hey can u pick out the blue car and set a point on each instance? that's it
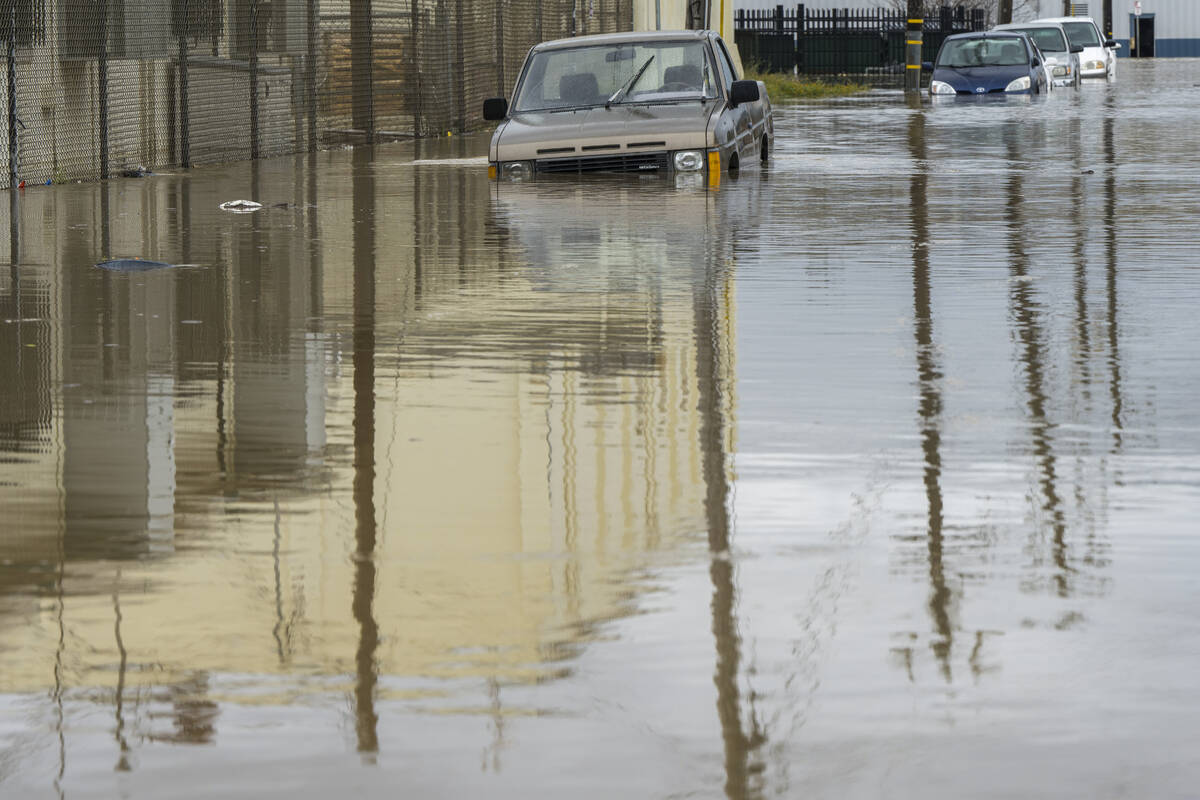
(996, 62)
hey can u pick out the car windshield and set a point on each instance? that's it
(579, 77)
(1048, 40)
(1082, 34)
(991, 52)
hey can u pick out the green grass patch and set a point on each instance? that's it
(781, 85)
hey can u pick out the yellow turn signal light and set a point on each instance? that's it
(714, 168)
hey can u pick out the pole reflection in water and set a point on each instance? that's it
(123, 762)
(929, 380)
(739, 746)
(1024, 310)
(366, 718)
(1083, 347)
(1110, 272)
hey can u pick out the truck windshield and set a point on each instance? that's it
(580, 77)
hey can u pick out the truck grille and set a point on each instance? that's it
(613, 162)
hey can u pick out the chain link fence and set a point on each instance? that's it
(99, 88)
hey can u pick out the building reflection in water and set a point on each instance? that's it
(533, 416)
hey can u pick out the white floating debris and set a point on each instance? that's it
(189, 322)
(240, 206)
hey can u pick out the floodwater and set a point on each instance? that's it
(874, 473)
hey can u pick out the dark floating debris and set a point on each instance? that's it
(132, 265)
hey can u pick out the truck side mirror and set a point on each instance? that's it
(495, 108)
(743, 92)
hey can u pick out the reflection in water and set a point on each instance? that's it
(711, 366)
(1110, 272)
(1030, 352)
(456, 459)
(929, 377)
(366, 676)
(123, 764)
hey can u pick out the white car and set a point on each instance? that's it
(1061, 58)
(1099, 56)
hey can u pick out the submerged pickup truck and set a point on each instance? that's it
(657, 101)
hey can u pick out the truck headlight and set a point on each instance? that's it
(516, 170)
(689, 161)
(940, 87)
(1019, 85)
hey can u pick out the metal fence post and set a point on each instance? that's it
(414, 30)
(311, 74)
(801, 22)
(254, 151)
(102, 80)
(460, 66)
(362, 63)
(185, 151)
(500, 47)
(13, 151)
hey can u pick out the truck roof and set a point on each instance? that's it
(622, 38)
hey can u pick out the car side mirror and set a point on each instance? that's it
(1112, 44)
(743, 92)
(495, 108)
(927, 66)
(1076, 48)
(1037, 62)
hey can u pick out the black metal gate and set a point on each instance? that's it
(851, 42)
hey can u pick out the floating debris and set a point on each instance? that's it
(240, 206)
(131, 265)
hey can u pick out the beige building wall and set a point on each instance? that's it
(671, 15)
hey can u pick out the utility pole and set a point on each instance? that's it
(912, 47)
(1005, 11)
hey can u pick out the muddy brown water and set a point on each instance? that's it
(870, 474)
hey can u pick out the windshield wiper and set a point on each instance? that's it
(627, 85)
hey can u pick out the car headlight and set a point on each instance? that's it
(1060, 71)
(689, 161)
(1095, 65)
(941, 87)
(1019, 85)
(516, 170)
